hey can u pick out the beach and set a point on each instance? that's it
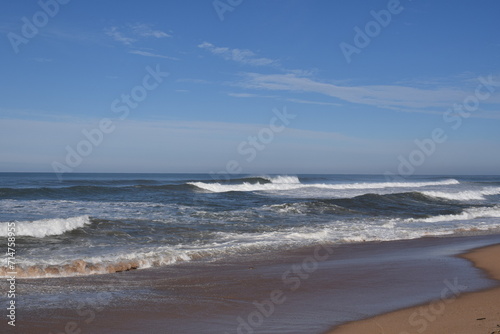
(468, 313)
(183, 253)
(300, 291)
(250, 167)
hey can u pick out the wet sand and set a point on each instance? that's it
(467, 313)
(307, 290)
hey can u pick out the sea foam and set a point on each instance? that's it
(466, 195)
(45, 227)
(467, 214)
(283, 183)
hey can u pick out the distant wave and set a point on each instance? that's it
(465, 195)
(251, 179)
(85, 190)
(45, 227)
(282, 183)
(244, 184)
(117, 182)
(58, 191)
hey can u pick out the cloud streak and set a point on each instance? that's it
(150, 54)
(118, 36)
(241, 56)
(137, 30)
(388, 96)
(144, 30)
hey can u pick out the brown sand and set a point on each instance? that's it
(212, 297)
(469, 313)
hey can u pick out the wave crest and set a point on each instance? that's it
(467, 195)
(46, 227)
(467, 214)
(283, 183)
(99, 265)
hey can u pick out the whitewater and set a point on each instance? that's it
(103, 223)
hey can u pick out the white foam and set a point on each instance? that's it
(468, 214)
(47, 263)
(283, 183)
(295, 208)
(284, 179)
(45, 227)
(337, 232)
(466, 195)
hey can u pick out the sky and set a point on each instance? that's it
(237, 86)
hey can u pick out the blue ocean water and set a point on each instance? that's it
(99, 223)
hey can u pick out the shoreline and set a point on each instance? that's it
(352, 282)
(461, 313)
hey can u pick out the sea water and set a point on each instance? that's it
(88, 224)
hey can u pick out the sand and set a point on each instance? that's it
(466, 313)
(355, 281)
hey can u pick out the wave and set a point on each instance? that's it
(99, 265)
(466, 195)
(467, 214)
(311, 208)
(45, 227)
(9, 193)
(64, 192)
(408, 204)
(283, 183)
(248, 179)
(226, 243)
(162, 187)
(110, 182)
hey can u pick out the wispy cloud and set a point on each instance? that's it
(150, 54)
(145, 30)
(131, 33)
(118, 36)
(314, 102)
(241, 56)
(293, 100)
(252, 95)
(375, 95)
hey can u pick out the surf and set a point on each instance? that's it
(284, 183)
(46, 227)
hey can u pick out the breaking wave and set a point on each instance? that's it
(98, 265)
(45, 227)
(467, 214)
(466, 195)
(282, 183)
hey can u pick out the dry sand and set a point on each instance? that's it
(469, 313)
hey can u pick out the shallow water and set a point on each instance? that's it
(305, 290)
(103, 223)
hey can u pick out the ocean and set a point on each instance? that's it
(91, 224)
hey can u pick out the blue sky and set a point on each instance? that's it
(232, 67)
